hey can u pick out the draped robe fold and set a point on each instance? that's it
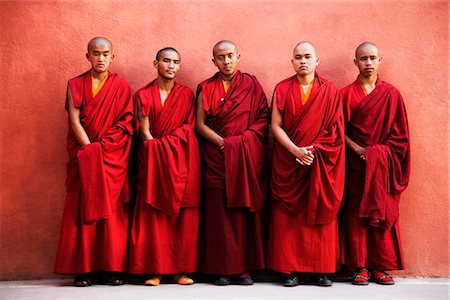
(94, 231)
(164, 237)
(303, 232)
(379, 123)
(235, 179)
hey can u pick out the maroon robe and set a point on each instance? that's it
(234, 180)
(303, 232)
(94, 233)
(164, 236)
(377, 122)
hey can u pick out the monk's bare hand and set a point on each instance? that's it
(361, 152)
(221, 144)
(304, 155)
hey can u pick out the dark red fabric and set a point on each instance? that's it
(240, 116)
(295, 246)
(316, 189)
(170, 163)
(95, 203)
(234, 180)
(94, 230)
(303, 233)
(365, 246)
(379, 123)
(231, 238)
(164, 238)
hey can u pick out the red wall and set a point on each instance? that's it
(43, 45)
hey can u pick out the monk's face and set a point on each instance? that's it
(305, 59)
(100, 56)
(226, 59)
(168, 65)
(367, 60)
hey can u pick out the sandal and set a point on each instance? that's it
(361, 277)
(83, 280)
(382, 278)
(153, 281)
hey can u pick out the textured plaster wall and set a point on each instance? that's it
(43, 44)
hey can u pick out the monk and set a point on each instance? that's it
(378, 159)
(94, 233)
(164, 236)
(232, 119)
(308, 173)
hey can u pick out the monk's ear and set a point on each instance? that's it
(355, 62)
(87, 55)
(379, 59)
(155, 63)
(214, 62)
(112, 56)
(238, 57)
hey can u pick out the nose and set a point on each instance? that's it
(227, 60)
(171, 65)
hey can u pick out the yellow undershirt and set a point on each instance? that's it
(96, 90)
(225, 87)
(305, 97)
(364, 90)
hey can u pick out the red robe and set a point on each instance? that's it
(377, 122)
(94, 233)
(303, 234)
(234, 180)
(164, 236)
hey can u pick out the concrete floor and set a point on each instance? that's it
(61, 289)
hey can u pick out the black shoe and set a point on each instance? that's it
(324, 281)
(222, 281)
(83, 280)
(291, 281)
(245, 281)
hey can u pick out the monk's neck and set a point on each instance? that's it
(165, 84)
(307, 79)
(369, 83)
(227, 78)
(98, 76)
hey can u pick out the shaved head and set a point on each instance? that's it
(366, 45)
(99, 41)
(158, 54)
(306, 43)
(224, 44)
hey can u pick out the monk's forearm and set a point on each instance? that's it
(146, 135)
(80, 133)
(353, 146)
(281, 136)
(210, 135)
